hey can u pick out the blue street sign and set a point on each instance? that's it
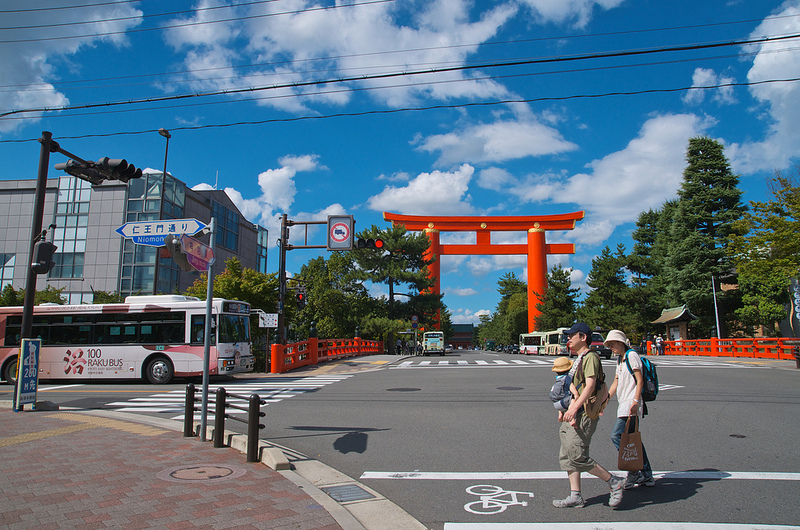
(27, 373)
(151, 233)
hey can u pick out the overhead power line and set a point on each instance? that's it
(374, 112)
(389, 75)
(190, 24)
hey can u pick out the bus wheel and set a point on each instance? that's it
(159, 371)
(10, 373)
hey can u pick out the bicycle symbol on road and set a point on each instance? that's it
(494, 499)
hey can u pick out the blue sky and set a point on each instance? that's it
(515, 107)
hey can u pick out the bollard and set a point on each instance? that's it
(253, 415)
(188, 412)
(219, 419)
(796, 352)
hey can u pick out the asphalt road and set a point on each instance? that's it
(426, 432)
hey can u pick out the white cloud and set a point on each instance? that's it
(774, 60)
(643, 175)
(496, 142)
(312, 44)
(29, 66)
(458, 291)
(466, 316)
(562, 11)
(704, 77)
(495, 178)
(434, 193)
(278, 190)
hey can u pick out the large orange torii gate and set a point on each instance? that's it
(536, 248)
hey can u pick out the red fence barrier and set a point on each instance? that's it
(314, 351)
(769, 348)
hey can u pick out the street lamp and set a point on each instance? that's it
(165, 133)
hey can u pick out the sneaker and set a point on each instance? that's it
(632, 480)
(569, 502)
(615, 497)
(646, 481)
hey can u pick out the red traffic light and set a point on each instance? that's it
(369, 243)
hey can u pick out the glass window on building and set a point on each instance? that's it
(72, 221)
(7, 270)
(261, 248)
(227, 227)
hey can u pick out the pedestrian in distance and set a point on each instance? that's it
(575, 440)
(659, 345)
(627, 386)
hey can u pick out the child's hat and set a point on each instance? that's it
(562, 364)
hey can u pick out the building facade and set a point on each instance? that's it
(92, 256)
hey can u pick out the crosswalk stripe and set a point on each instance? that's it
(271, 390)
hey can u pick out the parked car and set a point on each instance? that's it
(598, 345)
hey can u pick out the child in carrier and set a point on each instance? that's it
(562, 391)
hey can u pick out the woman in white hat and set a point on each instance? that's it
(627, 386)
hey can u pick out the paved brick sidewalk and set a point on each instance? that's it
(68, 470)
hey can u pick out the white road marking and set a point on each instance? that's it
(607, 525)
(548, 475)
(46, 388)
(271, 390)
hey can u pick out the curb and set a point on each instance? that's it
(368, 510)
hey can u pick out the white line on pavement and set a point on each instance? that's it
(545, 475)
(606, 525)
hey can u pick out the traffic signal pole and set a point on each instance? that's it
(36, 229)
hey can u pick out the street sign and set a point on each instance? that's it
(267, 320)
(414, 318)
(28, 372)
(151, 233)
(199, 255)
(340, 232)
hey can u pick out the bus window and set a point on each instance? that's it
(234, 328)
(198, 329)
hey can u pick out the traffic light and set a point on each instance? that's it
(76, 169)
(175, 249)
(300, 297)
(43, 257)
(370, 243)
(118, 169)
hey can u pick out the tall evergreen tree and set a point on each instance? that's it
(766, 252)
(608, 303)
(709, 204)
(559, 303)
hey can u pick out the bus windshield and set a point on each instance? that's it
(234, 328)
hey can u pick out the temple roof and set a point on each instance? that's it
(674, 314)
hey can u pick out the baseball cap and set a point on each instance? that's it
(579, 327)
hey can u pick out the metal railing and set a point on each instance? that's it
(253, 410)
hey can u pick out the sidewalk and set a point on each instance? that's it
(90, 469)
(63, 469)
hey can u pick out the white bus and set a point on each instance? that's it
(532, 343)
(433, 342)
(152, 337)
(555, 342)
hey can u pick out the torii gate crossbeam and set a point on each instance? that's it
(536, 248)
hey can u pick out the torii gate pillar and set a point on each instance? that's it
(536, 248)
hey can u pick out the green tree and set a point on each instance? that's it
(337, 301)
(400, 265)
(766, 252)
(557, 308)
(511, 316)
(247, 285)
(48, 295)
(607, 305)
(708, 206)
(105, 297)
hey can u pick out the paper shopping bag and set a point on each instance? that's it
(630, 448)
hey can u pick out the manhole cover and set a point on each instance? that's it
(348, 493)
(201, 473)
(402, 389)
(510, 388)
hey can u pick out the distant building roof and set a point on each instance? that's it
(674, 314)
(462, 328)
